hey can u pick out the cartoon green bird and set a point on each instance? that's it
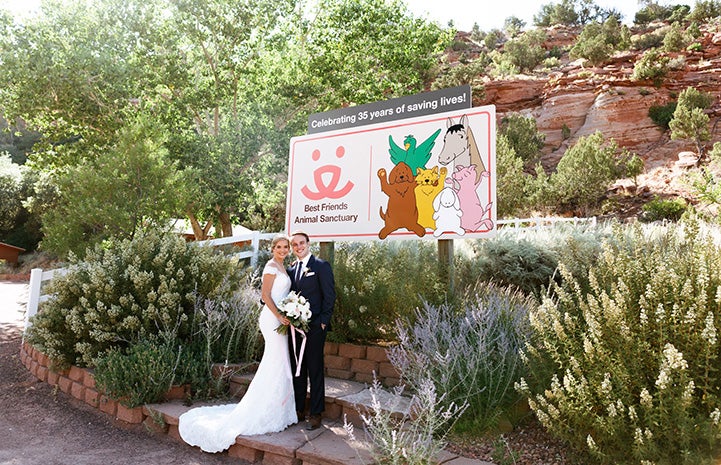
(413, 156)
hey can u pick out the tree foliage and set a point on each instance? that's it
(689, 119)
(131, 188)
(598, 160)
(523, 137)
(227, 84)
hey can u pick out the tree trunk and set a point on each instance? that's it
(200, 232)
(225, 224)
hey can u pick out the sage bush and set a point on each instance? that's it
(417, 436)
(528, 259)
(627, 372)
(472, 355)
(123, 292)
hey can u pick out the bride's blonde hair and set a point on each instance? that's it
(278, 238)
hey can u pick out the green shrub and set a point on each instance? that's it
(661, 115)
(705, 10)
(142, 374)
(516, 262)
(129, 291)
(465, 73)
(523, 136)
(634, 361)
(526, 51)
(378, 282)
(647, 41)
(598, 41)
(598, 160)
(510, 175)
(663, 209)
(652, 65)
(675, 39)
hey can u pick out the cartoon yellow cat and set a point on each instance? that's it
(429, 182)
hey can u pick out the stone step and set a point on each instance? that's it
(343, 398)
(328, 445)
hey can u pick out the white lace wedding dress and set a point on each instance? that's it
(268, 406)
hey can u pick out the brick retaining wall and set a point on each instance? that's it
(358, 363)
(343, 361)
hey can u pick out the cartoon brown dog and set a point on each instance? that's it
(402, 211)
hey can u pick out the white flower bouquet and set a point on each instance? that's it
(297, 309)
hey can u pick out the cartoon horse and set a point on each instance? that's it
(459, 147)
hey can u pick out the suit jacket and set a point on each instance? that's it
(317, 285)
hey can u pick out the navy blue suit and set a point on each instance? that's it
(317, 285)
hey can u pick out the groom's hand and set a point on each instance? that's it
(322, 326)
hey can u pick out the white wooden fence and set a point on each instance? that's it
(539, 222)
(38, 276)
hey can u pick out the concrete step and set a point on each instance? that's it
(328, 445)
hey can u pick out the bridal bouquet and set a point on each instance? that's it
(297, 309)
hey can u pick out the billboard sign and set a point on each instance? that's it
(431, 176)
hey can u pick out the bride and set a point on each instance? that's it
(268, 406)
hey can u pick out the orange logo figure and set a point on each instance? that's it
(401, 211)
(323, 190)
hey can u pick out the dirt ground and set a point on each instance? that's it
(39, 425)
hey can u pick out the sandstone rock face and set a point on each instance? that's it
(606, 99)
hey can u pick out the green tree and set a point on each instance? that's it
(70, 74)
(132, 188)
(572, 13)
(675, 40)
(592, 45)
(524, 52)
(703, 10)
(510, 178)
(652, 65)
(522, 135)
(689, 119)
(354, 51)
(597, 159)
(556, 13)
(10, 180)
(513, 26)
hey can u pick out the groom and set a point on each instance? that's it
(312, 278)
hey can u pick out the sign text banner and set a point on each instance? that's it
(411, 106)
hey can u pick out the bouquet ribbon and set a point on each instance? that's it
(298, 356)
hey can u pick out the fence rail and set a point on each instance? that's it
(38, 276)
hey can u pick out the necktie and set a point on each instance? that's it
(297, 270)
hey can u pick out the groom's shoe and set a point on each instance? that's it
(313, 422)
(301, 415)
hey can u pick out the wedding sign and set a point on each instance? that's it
(430, 177)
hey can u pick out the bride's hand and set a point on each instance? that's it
(284, 321)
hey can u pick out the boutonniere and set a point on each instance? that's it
(305, 271)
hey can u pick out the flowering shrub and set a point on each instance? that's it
(129, 290)
(628, 371)
(472, 355)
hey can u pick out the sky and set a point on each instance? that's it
(489, 14)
